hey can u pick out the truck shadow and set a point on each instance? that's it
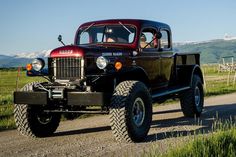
(204, 124)
(82, 131)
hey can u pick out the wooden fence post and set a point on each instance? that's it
(228, 79)
(234, 79)
(18, 77)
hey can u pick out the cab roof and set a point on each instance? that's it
(139, 23)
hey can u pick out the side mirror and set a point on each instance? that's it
(60, 39)
(159, 35)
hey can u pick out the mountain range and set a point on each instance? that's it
(21, 59)
(211, 52)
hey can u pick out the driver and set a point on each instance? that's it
(111, 39)
(143, 42)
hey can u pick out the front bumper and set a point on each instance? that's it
(70, 98)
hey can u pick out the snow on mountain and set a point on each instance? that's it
(21, 59)
(225, 38)
(42, 54)
(229, 37)
(193, 42)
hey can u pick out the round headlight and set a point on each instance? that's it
(101, 62)
(38, 64)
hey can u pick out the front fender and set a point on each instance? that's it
(133, 73)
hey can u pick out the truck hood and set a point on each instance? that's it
(67, 51)
(81, 51)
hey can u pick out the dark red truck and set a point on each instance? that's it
(119, 67)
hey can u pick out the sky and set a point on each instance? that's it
(34, 25)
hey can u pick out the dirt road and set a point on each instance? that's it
(93, 137)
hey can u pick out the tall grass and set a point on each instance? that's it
(219, 142)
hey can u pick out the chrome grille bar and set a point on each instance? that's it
(67, 68)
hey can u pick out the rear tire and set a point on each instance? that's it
(192, 100)
(32, 121)
(131, 111)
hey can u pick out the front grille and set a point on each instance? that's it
(66, 68)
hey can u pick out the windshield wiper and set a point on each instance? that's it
(125, 27)
(86, 29)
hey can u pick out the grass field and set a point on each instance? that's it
(215, 84)
(220, 143)
(218, 83)
(7, 86)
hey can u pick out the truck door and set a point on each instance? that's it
(166, 57)
(149, 59)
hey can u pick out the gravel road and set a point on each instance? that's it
(93, 137)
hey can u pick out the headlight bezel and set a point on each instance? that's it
(102, 62)
(37, 64)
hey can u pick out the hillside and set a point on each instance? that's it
(21, 59)
(211, 51)
(11, 61)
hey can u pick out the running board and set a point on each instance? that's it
(169, 92)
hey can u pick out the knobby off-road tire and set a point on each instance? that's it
(130, 111)
(31, 121)
(192, 100)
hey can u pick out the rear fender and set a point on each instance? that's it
(185, 74)
(197, 71)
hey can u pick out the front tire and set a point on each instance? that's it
(192, 100)
(131, 111)
(32, 121)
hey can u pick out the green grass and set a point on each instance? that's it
(7, 86)
(6, 117)
(222, 144)
(216, 84)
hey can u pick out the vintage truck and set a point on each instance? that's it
(118, 67)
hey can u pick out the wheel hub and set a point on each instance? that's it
(44, 118)
(138, 112)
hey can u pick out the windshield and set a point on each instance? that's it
(112, 34)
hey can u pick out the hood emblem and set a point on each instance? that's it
(65, 51)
